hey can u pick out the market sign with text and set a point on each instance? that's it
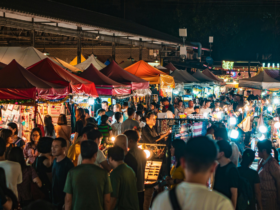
(228, 65)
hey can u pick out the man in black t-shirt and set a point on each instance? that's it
(60, 168)
(226, 177)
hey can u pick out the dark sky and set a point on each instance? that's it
(242, 29)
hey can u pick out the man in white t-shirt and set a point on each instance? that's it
(205, 110)
(199, 164)
(101, 160)
(190, 109)
(12, 169)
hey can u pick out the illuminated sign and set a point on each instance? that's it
(227, 64)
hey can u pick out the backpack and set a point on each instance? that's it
(245, 192)
(173, 199)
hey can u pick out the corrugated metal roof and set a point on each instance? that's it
(83, 17)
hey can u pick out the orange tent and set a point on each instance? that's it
(154, 76)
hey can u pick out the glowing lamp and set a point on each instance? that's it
(232, 121)
(234, 134)
(276, 101)
(263, 129)
(113, 139)
(277, 125)
(148, 153)
(246, 108)
(219, 115)
(269, 108)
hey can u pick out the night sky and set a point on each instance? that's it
(242, 29)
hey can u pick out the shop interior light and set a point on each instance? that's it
(234, 134)
(240, 110)
(276, 101)
(91, 101)
(232, 121)
(263, 129)
(148, 153)
(113, 139)
(219, 115)
(269, 108)
(246, 108)
(277, 125)
(175, 92)
(263, 93)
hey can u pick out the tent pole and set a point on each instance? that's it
(35, 115)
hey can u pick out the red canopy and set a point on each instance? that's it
(104, 85)
(115, 72)
(51, 72)
(170, 67)
(18, 83)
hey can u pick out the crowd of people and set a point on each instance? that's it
(54, 171)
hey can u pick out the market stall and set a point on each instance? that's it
(260, 81)
(91, 60)
(51, 72)
(19, 90)
(104, 85)
(116, 73)
(154, 76)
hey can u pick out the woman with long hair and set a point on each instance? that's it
(252, 177)
(9, 198)
(116, 127)
(43, 165)
(49, 128)
(30, 151)
(177, 172)
(269, 173)
(17, 141)
(29, 175)
(62, 130)
(7, 134)
(80, 123)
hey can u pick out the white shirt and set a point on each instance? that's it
(99, 158)
(189, 110)
(203, 110)
(13, 174)
(193, 197)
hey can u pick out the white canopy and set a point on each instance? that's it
(260, 81)
(91, 60)
(25, 56)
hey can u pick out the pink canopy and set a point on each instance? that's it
(116, 73)
(104, 85)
